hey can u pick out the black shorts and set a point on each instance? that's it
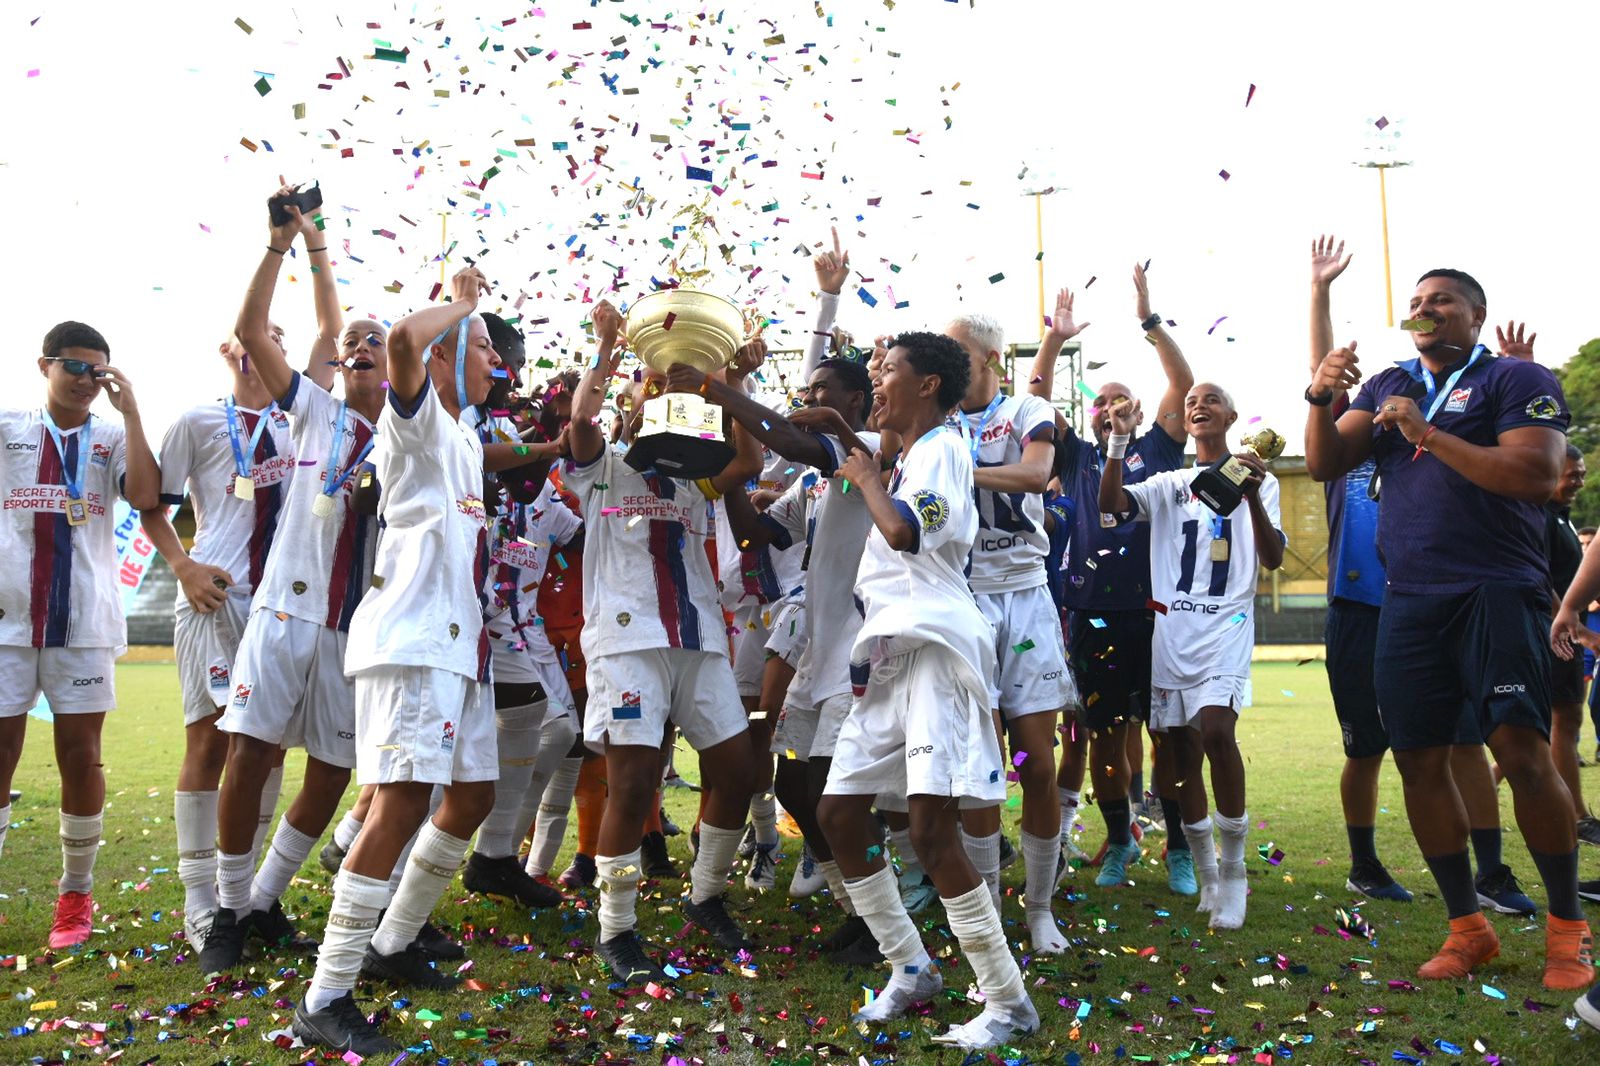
(1351, 635)
(1566, 679)
(1110, 653)
(1451, 669)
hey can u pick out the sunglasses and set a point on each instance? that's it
(76, 367)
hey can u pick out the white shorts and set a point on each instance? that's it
(418, 723)
(918, 732)
(205, 646)
(633, 694)
(1033, 675)
(557, 692)
(1175, 708)
(74, 680)
(289, 688)
(787, 635)
(750, 648)
(811, 731)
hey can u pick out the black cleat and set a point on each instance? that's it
(224, 946)
(668, 826)
(431, 940)
(331, 857)
(277, 930)
(628, 961)
(848, 933)
(863, 951)
(713, 917)
(655, 860)
(1589, 891)
(505, 877)
(341, 1026)
(409, 968)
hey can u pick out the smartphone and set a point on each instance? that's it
(307, 200)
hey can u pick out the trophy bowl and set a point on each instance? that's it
(1267, 444)
(1220, 486)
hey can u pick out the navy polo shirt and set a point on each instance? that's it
(1062, 509)
(1108, 558)
(1355, 572)
(1437, 532)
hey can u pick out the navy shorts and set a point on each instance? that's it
(1110, 653)
(1351, 636)
(1566, 679)
(1450, 669)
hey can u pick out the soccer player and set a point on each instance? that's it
(61, 623)
(657, 650)
(923, 727)
(1566, 678)
(1012, 440)
(1203, 566)
(1463, 442)
(1107, 589)
(419, 653)
(289, 685)
(1355, 593)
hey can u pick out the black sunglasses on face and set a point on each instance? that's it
(75, 367)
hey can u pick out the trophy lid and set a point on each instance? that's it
(673, 326)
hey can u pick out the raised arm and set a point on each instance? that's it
(1029, 474)
(833, 270)
(1180, 379)
(252, 326)
(1060, 329)
(325, 290)
(412, 335)
(1268, 541)
(1114, 499)
(584, 436)
(1328, 261)
(1335, 447)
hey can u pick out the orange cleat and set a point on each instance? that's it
(1568, 953)
(75, 920)
(1472, 942)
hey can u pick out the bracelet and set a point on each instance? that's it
(1315, 401)
(324, 248)
(705, 386)
(1422, 442)
(1150, 323)
(1117, 445)
(277, 251)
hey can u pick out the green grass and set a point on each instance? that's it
(1161, 985)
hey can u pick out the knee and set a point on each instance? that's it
(730, 776)
(934, 843)
(1217, 738)
(78, 751)
(1037, 773)
(406, 803)
(834, 816)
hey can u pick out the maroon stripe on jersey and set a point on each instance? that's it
(47, 542)
(666, 586)
(347, 548)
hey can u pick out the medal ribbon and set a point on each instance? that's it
(240, 464)
(330, 483)
(73, 479)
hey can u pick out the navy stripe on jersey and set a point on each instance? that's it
(678, 614)
(268, 504)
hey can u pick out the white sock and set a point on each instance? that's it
(555, 740)
(234, 876)
(1204, 847)
(352, 918)
(910, 866)
(985, 855)
(434, 862)
(713, 859)
(399, 870)
(836, 885)
(195, 815)
(1232, 889)
(5, 826)
(345, 833)
(1069, 808)
(286, 855)
(269, 806)
(877, 901)
(977, 926)
(554, 809)
(517, 734)
(618, 876)
(1039, 856)
(764, 816)
(1232, 832)
(80, 843)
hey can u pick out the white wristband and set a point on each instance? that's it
(1117, 445)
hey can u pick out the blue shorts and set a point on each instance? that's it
(1450, 669)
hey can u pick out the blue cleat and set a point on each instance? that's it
(1498, 890)
(1114, 867)
(1373, 881)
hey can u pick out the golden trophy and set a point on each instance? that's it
(1220, 486)
(681, 433)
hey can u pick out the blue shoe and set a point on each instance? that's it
(1114, 867)
(1180, 872)
(1372, 880)
(1498, 890)
(917, 894)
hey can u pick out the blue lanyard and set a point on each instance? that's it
(461, 361)
(331, 484)
(1441, 395)
(974, 437)
(74, 480)
(240, 464)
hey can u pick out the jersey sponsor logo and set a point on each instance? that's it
(48, 498)
(630, 708)
(86, 682)
(447, 737)
(472, 507)
(1107, 521)
(217, 677)
(518, 554)
(999, 543)
(241, 694)
(1543, 407)
(21, 446)
(1134, 462)
(1508, 690)
(1458, 400)
(926, 749)
(933, 510)
(1193, 607)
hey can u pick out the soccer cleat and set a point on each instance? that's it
(625, 956)
(807, 879)
(672, 780)
(224, 942)
(713, 917)
(274, 927)
(1372, 880)
(1134, 828)
(506, 878)
(852, 929)
(763, 875)
(195, 926)
(1588, 1006)
(580, 874)
(916, 895)
(668, 826)
(1471, 943)
(431, 940)
(654, 858)
(74, 920)
(862, 951)
(410, 967)
(1589, 890)
(342, 1027)
(1114, 867)
(1498, 890)
(1589, 830)
(1180, 873)
(1568, 954)
(331, 857)
(995, 1026)
(1008, 851)
(901, 994)
(747, 843)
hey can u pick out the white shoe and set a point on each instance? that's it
(901, 994)
(995, 1026)
(1231, 892)
(763, 875)
(808, 879)
(196, 924)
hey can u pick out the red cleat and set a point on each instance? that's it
(74, 920)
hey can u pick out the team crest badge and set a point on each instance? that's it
(1543, 408)
(447, 737)
(631, 707)
(1135, 462)
(218, 677)
(299, 588)
(1458, 400)
(933, 510)
(241, 694)
(455, 631)
(623, 618)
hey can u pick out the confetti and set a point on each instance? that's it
(1251, 95)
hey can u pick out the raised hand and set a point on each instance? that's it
(1125, 416)
(117, 387)
(607, 324)
(818, 420)
(1141, 289)
(1337, 372)
(681, 377)
(282, 237)
(833, 268)
(1258, 471)
(466, 285)
(1327, 260)
(1062, 326)
(748, 359)
(1511, 341)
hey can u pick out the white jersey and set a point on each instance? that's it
(921, 596)
(526, 539)
(323, 565)
(198, 453)
(426, 604)
(1208, 627)
(831, 526)
(60, 587)
(757, 578)
(646, 576)
(1008, 553)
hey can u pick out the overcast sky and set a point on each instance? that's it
(135, 207)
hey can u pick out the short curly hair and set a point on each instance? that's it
(934, 353)
(69, 334)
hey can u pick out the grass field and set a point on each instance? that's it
(1143, 980)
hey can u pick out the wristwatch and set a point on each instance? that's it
(1150, 323)
(1315, 401)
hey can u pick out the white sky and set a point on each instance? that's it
(126, 143)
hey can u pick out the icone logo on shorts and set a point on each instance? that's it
(241, 694)
(85, 682)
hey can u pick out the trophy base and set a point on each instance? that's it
(1220, 486)
(679, 456)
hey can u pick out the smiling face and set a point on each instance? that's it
(1446, 303)
(71, 392)
(481, 361)
(1573, 474)
(1208, 412)
(900, 394)
(828, 389)
(1110, 394)
(364, 359)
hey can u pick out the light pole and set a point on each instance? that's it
(1383, 161)
(1038, 238)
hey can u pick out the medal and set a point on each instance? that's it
(77, 512)
(243, 488)
(76, 507)
(322, 506)
(1219, 551)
